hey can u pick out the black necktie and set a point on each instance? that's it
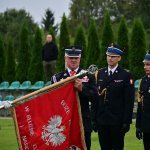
(110, 72)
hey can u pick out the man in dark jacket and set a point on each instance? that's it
(85, 87)
(143, 110)
(115, 101)
(49, 56)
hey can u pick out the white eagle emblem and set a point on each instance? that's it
(53, 132)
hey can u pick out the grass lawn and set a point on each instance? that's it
(131, 142)
(8, 138)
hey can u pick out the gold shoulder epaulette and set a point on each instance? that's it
(140, 98)
(96, 75)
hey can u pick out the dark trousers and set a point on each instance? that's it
(49, 69)
(146, 141)
(87, 135)
(111, 138)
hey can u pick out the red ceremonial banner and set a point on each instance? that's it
(51, 121)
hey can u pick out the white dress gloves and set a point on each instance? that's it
(6, 104)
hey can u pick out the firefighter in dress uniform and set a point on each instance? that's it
(85, 86)
(143, 110)
(115, 100)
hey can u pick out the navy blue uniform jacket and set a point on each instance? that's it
(143, 111)
(115, 106)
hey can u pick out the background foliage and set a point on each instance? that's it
(113, 22)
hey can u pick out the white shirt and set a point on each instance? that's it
(113, 69)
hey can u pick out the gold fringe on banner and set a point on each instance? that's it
(81, 124)
(16, 128)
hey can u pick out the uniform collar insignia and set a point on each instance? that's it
(100, 80)
(118, 80)
(65, 74)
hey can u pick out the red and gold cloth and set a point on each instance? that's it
(51, 121)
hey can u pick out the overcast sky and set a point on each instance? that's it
(37, 8)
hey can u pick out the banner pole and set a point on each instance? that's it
(45, 89)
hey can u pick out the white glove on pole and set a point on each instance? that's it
(6, 104)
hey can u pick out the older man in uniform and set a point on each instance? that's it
(143, 111)
(85, 87)
(114, 101)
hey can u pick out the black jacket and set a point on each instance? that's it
(143, 110)
(85, 96)
(49, 52)
(115, 106)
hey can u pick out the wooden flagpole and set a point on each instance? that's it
(45, 89)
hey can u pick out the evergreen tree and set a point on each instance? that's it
(23, 57)
(9, 69)
(10, 24)
(80, 40)
(137, 49)
(2, 59)
(63, 43)
(48, 20)
(93, 49)
(35, 72)
(107, 39)
(123, 42)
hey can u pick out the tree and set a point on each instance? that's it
(143, 11)
(2, 58)
(9, 69)
(48, 21)
(107, 39)
(93, 49)
(123, 42)
(80, 40)
(36, 59)
(63, 43)
(23, 57)
(137, 49)
(83, 11)
(10, 24)
(124, 8)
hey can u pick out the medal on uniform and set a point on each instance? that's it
(149, 90)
